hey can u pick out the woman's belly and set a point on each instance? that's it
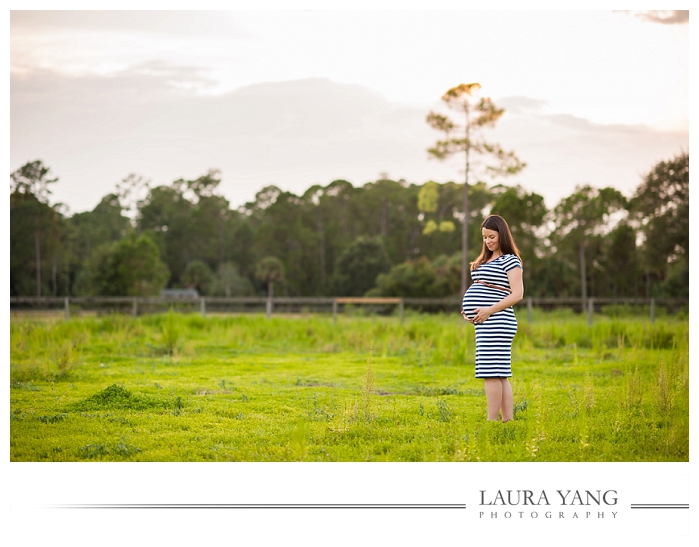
(480, 296)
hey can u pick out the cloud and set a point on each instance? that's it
(44, 90)
(521, 104)
(176, 76)
(665, 17)
(563, 150)
(94, 130)
(162, 22)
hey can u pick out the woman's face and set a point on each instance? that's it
(491, 238)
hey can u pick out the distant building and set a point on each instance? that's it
(179, 293)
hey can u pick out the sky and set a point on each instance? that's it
(296, 98)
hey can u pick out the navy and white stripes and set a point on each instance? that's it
(494, 336)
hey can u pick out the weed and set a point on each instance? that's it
(24, 385)
(663, 395)
(445, 412)
(520, 407)
(319, 412)
(170, 332)
(634, 388)
(124, 449)
(22, 373)
(589, 392)
(97, 450)
(18, 415)
(368, 388)
(92, 451)
(178, 407)
(64, 355)
(120, 420)
(52, 419)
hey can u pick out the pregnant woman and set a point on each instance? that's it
(497, 286)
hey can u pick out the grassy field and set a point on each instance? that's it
(174, 387)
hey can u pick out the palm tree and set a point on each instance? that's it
(270, 269)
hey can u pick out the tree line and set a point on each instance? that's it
(386, 238)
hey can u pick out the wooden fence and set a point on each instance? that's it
(141, 305)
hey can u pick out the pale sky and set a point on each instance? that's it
(295, 98)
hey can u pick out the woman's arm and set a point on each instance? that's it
(515, 278)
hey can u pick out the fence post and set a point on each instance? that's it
(401, 307)
(134, 307)
(66, 305)
(334, 311)
(202, 306)
(529, 309)
(268, 307)
(652, 310)
(591, 309)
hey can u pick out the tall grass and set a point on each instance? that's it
(366, 388)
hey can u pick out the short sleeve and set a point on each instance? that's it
(510, 262)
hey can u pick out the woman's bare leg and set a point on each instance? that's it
(507, 402)
(493, 394)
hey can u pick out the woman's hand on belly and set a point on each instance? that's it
(466, 317)
(481, 315)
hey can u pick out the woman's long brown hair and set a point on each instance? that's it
(507, 243)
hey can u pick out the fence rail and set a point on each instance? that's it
(140, 305)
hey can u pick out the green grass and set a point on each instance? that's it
(243, 388)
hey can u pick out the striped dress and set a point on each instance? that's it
(494, 336)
